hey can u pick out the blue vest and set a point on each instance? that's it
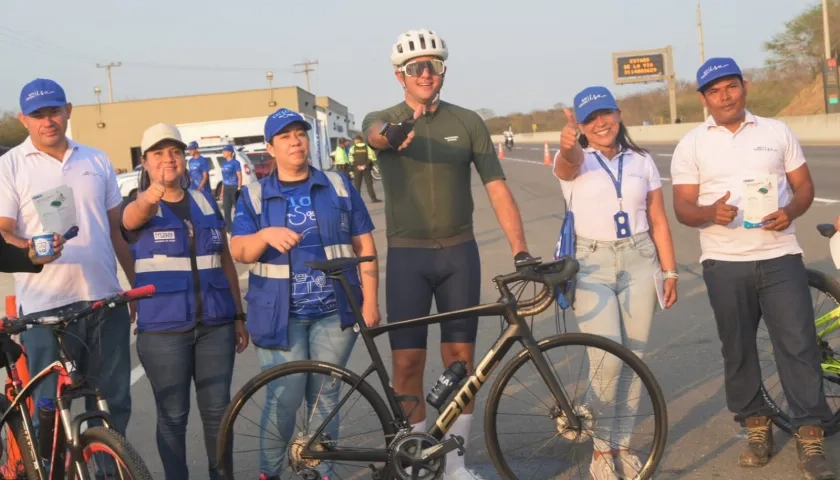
(162, 258)
(269, 286)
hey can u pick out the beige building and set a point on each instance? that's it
(116, 128)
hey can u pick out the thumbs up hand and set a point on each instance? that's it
(724, 213)
(570, 149)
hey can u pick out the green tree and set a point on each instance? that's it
(801, 44)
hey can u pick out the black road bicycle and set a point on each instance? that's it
(415, 455)
(63, 449)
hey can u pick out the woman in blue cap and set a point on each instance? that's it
(190, 329)
(623, 240)
(286, 219)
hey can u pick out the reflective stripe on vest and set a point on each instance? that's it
(268, 270)
(199, 200)
(338, 251)
(162, 263)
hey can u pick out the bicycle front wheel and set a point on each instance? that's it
(107, 452)
(279, 412)
(613, 394)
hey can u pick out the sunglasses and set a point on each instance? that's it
(416, 69)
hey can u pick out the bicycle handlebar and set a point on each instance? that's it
(12, 326)
(549, 274)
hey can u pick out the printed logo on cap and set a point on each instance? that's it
(284, 114)
(38, 93)
(590, 98)
(712, 69)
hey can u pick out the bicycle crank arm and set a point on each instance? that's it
(455, 442)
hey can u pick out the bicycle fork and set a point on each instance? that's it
(553, 385)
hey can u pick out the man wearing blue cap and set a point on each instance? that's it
(296, 215)
(199, 168)
(231, 183)
(752, 262)
(87, 269)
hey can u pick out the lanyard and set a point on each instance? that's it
(616, 181)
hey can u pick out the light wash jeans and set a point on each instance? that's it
(309, 339)
(616, 299)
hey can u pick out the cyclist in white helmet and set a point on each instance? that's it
(426, 149)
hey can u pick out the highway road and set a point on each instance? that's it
(684, 351)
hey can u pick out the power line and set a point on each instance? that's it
(306, 64)
(108, 67)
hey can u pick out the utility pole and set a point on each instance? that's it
(671, 81)
(826, 33)
(702, 50)
(108, 67)
(306, 64)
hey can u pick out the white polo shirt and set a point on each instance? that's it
(594, 200)
(718, 160)
(87, 269)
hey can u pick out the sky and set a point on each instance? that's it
(508, 56)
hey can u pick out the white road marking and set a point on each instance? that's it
(664, 155)
(826, 200)
(137, 374)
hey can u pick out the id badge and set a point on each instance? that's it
(622, 225)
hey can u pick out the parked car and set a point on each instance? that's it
(128, 182)
(259, 156)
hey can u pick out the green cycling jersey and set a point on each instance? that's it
(428, 184)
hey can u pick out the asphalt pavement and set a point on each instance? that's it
(684, 351)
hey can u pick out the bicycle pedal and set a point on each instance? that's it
(454, 442)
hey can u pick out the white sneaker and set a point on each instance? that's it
(629, 464)
(462, 474)
(603, 468)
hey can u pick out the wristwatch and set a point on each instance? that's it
(240, 316)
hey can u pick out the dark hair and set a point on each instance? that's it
(623, 139)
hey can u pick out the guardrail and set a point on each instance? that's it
(810, 129)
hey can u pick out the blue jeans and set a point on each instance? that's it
(172, 362)
(310, 339)
(106, 361)
(616, 299)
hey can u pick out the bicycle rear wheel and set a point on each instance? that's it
(603, 432)
(264, 442)
(827, 299)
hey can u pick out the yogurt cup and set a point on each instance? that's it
(44, 245)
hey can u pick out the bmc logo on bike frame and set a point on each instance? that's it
(467, 392)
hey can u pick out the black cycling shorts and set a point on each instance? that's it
(450, 275)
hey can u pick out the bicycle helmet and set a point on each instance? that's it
(417, 43)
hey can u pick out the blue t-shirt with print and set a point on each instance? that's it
(312, 293)
(301, 219)
(229, 170)
(197, 167)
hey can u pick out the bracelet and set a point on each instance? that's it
(671, 274)
(239, 316)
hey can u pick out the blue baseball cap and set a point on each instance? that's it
(228, 148)
(592, 99)
(192, 145)
(281, 119)
(715, 68)
(41, 93)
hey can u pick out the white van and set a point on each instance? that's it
(129, 182)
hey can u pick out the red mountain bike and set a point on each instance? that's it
(68, 451)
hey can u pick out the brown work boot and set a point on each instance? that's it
(809, 451)
(759, 447)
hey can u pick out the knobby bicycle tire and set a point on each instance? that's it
(120, 449)
(831, 287)
(19, 463)
(299, 366)
(586, 340)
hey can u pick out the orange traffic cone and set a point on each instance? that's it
(546, 155)
(501, 151)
